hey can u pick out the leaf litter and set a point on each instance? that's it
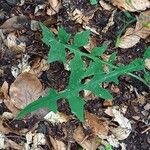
(113, 128)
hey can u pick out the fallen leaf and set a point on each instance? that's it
(98, 125)
(132, 36)
(132, 5)
(14, 145)
(14, 44)
(16, 22)
(38, 66)
(141, 30)
(25, 89)
(105, 5)
(120, 133)
(58, 145)
(4, 90)
(3, 129)
(129, 39)
(147, 63)
(11, 107)
(82, 140)
(54, 7)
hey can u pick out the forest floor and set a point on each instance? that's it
(120, 124)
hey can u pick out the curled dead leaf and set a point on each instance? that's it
(98, 125)
(54, 7)
(38, 66)
(26, 88)
(129, 39)
(82, 140)
(120, 133)
(132, 5)
(141, 30)
(58, 145)
(15, 44)
(133, 36)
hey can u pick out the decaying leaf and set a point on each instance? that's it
(3, 129)
(81, 139)
(105, 5)
(120, 133)
(25, 89)
(124, 128)
(54, 7)
(15, 44)
(133, 36)
(147, 63)
(38, 66)
(16, 22)
(129, 39)
(58, 145)
(141, 30)
(4, 91)
(98, 125)
(132, 5)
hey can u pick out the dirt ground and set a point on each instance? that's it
(22, 50)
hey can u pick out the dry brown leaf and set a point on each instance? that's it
(54, 7)
(81, 139)
(4, 91)
(3, 129)
(133, 36)
(98, 125)
(129, 39)
(132, 5)
(140, 30)
(105, 5)
(147, 63)
(14, 44)
(14, 145)
(26, 88)
(58, 145)
(16, 22)
(38, 66)
(11, 107)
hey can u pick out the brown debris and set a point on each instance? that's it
(98, 125)
(25, 89)
(132, 5)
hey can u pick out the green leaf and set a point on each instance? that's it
(147, 77)
(108, 147)
(93, 2)
(50, 101)
(79, 71)
(147, 53)
(98, 51)
(48, 36)
(81, 38)
(57, 52)
(63, 35)
(77, 107)
(38, 104)
(101, 92)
